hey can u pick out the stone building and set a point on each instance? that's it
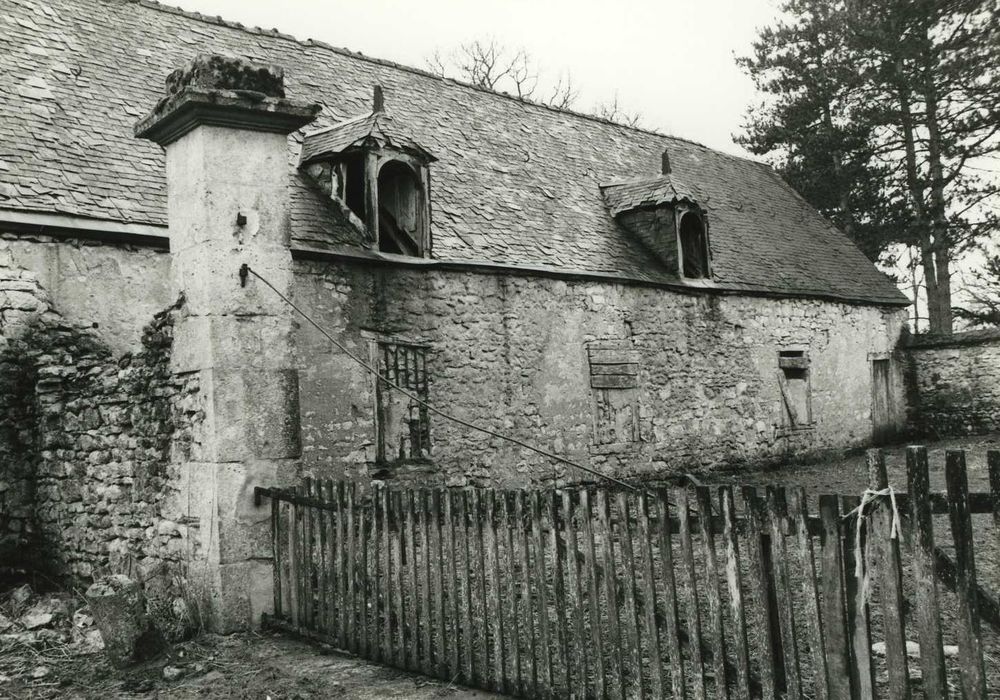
(630, 301)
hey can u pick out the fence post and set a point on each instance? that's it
(890, 571)
(576, 591)
(862, 671)
(734, 582)
(711, 588)
(970, 646)
(649, 595)
(590, 565)
(777, 510)
(610, 590)
(631, 622)
(670, 603)
(836, 644)
(691, 589)
(800, 522)
(772, 672)
(934, 679)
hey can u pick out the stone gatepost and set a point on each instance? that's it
(224, 125)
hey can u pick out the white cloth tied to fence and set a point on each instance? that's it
(862, 558)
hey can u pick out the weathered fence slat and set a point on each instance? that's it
(454, 646)
(350, 568)
(440, 656)
(671, 607)
(483, 656)
(515, 680)
(427, 629)
(413, 621)
(771, 665)
(579, 687)
(367, 619)
(836, 644)
(800, 517)
(633, 672)
(993, 465)
(527, 625)
(862, 669)
(307, 557)
(928, 614)
(735, 585)
(889, 570)
(711, 588)
(276, 553)
(649, 599)
(294, 543)
(468, 643)
(590, 567)
(691, 592)
(396, 505)
(538, 546)
(970, 638)
(776, 507)
(559, 595)
(606, 537)
(385, 547)
(495, 611)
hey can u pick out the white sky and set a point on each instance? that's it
(670, 60)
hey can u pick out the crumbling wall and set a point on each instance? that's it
(695, 382)
(953, 383)
(88, 440)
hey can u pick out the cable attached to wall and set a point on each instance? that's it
(246, 269)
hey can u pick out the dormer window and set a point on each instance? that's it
(400, 210)
(692, 242)
(378, 176)
(669, 218)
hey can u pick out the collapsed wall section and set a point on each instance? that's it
(88, 441)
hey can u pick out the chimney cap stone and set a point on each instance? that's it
(223, 91)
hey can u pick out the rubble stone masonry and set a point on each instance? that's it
(698, 373)
(88, 437)
(954, 383)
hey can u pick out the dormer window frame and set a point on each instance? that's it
(376, 160)
(682, 209)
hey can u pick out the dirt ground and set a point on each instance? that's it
(260, 666)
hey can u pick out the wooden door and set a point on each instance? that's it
(882, 423)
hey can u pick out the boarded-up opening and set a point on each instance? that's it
(882, 423)
(793, 381)
(694, 246)
(614, 379)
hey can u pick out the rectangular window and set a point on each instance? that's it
(403, 425)
(793, 381)
(614, 380)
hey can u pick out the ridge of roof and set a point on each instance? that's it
(274, 33)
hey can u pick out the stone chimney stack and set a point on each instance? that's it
(224, 125)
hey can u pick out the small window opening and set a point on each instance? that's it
(404, 430)
(353, 193)
(793, 378)
(694, 246)
(400, 203)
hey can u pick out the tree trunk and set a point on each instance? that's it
(941, 245)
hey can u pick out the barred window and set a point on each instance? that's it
(403, 424)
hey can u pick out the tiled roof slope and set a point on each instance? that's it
(515, 182)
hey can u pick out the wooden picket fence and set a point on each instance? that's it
(595, 592)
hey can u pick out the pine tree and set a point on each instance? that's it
(879, 112)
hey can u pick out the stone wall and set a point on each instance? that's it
(89, 440)
(954, 383)
(699, 373)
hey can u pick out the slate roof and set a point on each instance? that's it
(515, 183)
(647, 192)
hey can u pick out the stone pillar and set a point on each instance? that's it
(224, 125)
